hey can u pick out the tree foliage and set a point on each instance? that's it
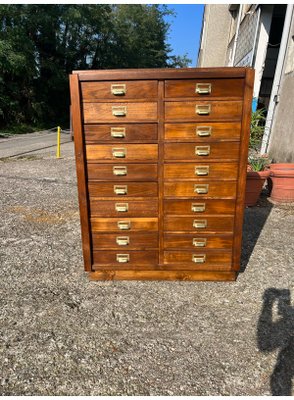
(40, 45)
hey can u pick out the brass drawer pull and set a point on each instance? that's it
(119, 111)
(121, 207)
(119, 152)
(121, 190)
(120, 170)
(198, 207)
(202, 150)
(201, 170)
(124, 225)
(200, 223)
(201, 189)
(204, 109)
(203, 131)
(123, 258)
(118, 89)
(199, 258)
(118, 133)
(122, 240)
(199, 242)
(203, 88)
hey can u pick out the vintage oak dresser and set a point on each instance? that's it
(161, 159)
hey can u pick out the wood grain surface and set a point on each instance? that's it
(216, 189)
(219, 88)
(102, 112)
(215, 223)
(133, 172)
(220, 110)
(187, 132)
(133, 90)
(139, 133)
(228, 151)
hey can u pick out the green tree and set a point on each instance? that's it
(40, 45)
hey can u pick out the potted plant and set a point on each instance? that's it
(257, 167)
(282, 182)
(257, 174)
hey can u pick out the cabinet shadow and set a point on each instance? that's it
(254, 220)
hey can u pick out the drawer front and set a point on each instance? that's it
(123, 208)
(125, 259)
(121, 133)
(124, 224)
(122, 172)
(121, 153)
(119, 90)
(203, 110)
(193, 171)
(129, 241)
(200, 224)
(204, 88)
(198, 242)
(202, 132)
(122, 189)
(191, 207)
(119, 112)
(202, 152)
(215, 260)
(217, 189)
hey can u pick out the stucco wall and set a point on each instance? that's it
(281, 147)
(215, 36)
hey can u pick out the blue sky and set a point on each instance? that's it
(184, 36)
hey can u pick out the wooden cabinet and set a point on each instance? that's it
(161, 159)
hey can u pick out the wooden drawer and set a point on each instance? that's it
(122, 190)
(204, 88)
(119, 112)
(121, 133)
(188, 171)
(197, 241)
(201, 152)
(210, 260)
(210, 131)
(125, 259)
(199, 224)
(211, 189)
(124, 224)
(215, 110)
(119, 90)
(191, 207)
(121, 153)
(121, 241)
(122, 172)
(123, 208)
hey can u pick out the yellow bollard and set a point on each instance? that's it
(58, 142)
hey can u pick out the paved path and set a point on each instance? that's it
(63, 335)
(29, 143)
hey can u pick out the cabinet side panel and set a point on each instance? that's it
(81, 170)
(245, 132)
(160, 168)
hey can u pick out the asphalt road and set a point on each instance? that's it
(30, 143)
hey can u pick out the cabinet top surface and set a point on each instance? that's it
(161, 73)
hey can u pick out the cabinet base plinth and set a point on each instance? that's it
(153, 275)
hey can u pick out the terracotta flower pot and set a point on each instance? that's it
(282, 178)
(254, 185)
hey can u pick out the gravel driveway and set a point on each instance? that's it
(64, 335)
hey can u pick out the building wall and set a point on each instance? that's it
(281, 147)
(216, 26)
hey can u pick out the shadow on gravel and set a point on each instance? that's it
(275, 330)
(254, 220)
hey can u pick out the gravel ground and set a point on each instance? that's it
(64, 335)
